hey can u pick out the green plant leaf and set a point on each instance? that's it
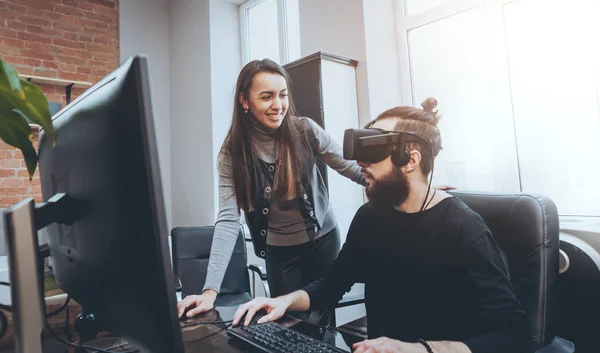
(15, 131)
(35, 108)
(31, 158)
(13, 127)
(25, 97)
(10, 80)
(21, 102)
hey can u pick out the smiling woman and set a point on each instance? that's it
(267, 167)
(267, 99)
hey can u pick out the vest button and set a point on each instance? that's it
(262, 253)
(316, 229)
(311, 213)
(271, 168)
(263, 232)
(268, 189)
(266, 210)
(305, 196)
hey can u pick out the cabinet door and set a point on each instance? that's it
(306, 86)
(306, 94)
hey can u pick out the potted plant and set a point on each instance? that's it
(22, 103)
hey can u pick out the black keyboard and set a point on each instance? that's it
(275, 338)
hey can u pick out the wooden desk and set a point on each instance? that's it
(210, 338)
(62, 323)
(196, 336)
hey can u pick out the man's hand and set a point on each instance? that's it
(275, 308)
(444, 187)
(197, 303)
(387, 345)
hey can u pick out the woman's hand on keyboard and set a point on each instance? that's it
(274, 307)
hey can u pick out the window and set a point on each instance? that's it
(270, 29)
(518, 84)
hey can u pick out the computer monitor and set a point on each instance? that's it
(25, 277)
(114, 258)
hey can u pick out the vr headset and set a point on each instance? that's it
(374, 145)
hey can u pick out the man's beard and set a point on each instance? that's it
(389, 191)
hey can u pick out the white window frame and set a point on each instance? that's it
(282, 30)
(493, 10)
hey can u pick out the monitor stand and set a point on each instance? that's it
(21, 223)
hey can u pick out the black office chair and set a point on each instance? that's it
(526, 228)
(191, 252)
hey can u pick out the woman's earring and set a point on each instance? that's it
(246, 111)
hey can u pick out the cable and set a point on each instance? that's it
(119, 345)
(67, 318)
(71, 344)
(212, 334)
(431, 199)
(62, 307)
(68, 325)
(208, 323)
(423, 206)
(2, 283)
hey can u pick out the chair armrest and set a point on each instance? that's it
(351, 300)
(263, 277)
(178, 286)
(558, 345)
(259, 270)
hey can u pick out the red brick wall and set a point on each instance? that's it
(14, 179)
(65, 39)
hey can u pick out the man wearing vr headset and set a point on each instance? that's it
(434, 276)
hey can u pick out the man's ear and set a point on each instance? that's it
(413, 162)
(243, 101)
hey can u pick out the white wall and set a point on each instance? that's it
(144, 29)
(383, 68)
(337, 27)
(192, 162)
(205, 62)
(226, 63)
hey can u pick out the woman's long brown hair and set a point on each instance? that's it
(237, 143)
